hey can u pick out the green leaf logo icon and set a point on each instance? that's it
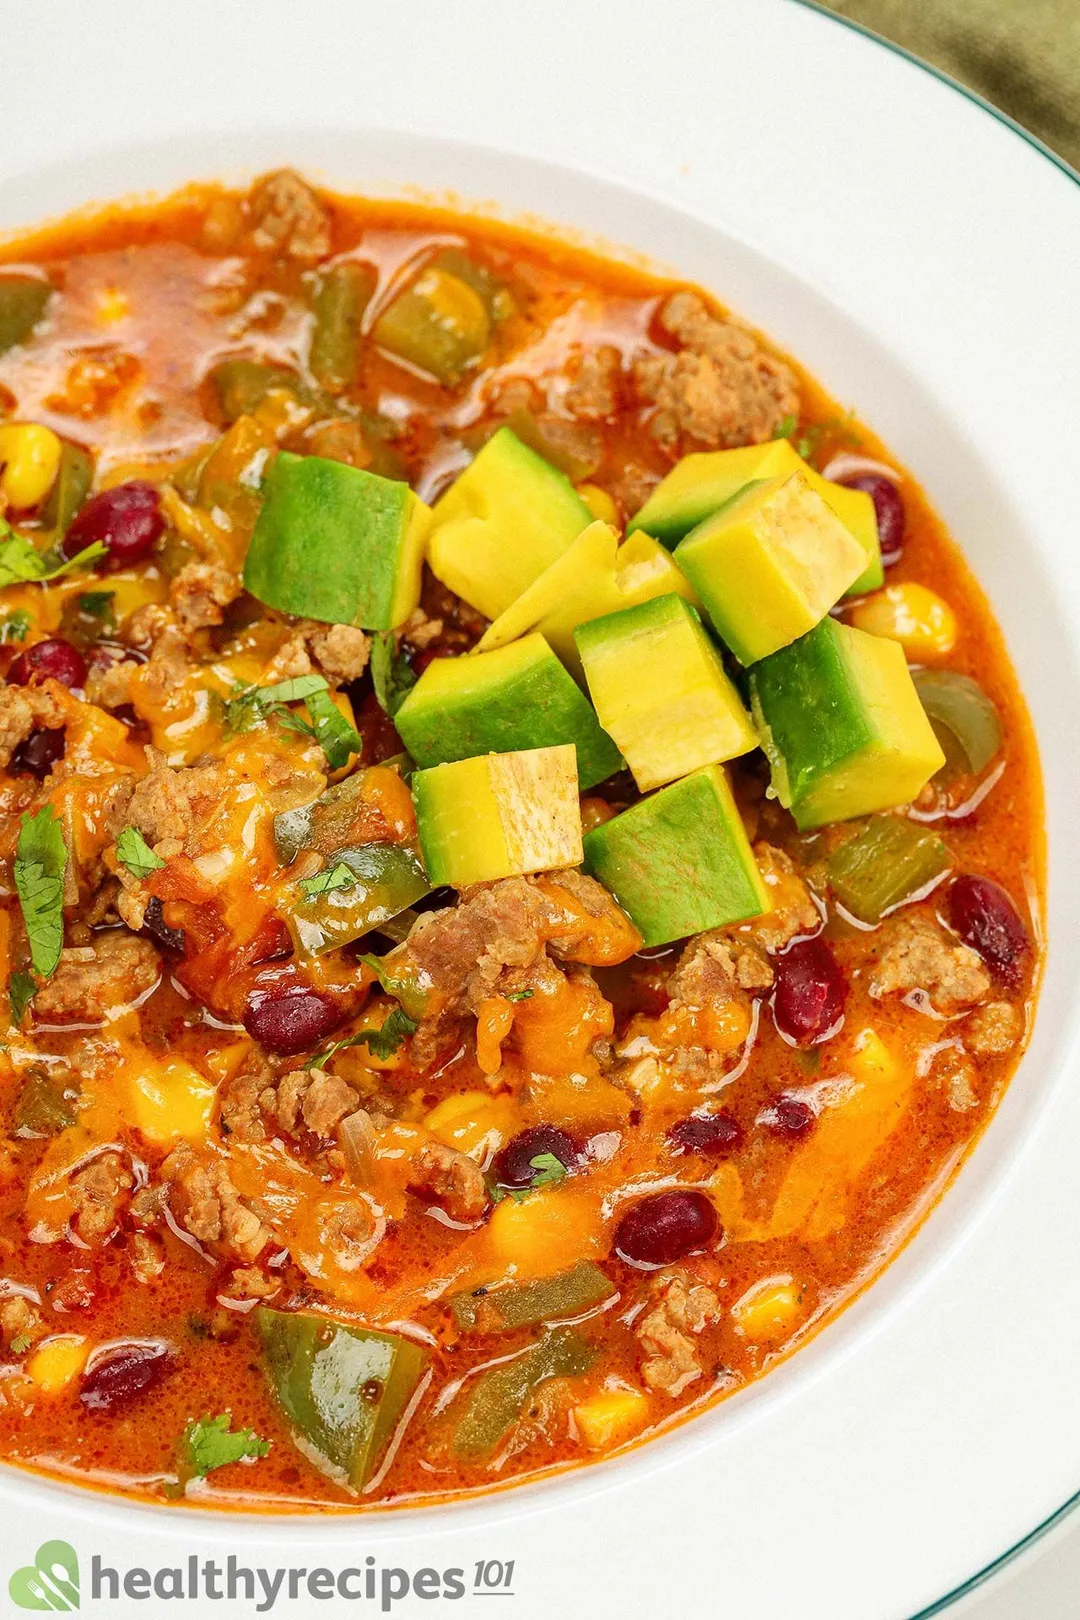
(50, 1582)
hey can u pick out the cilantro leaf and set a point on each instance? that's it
(20, 1344)
(786, 428)
(210, 1443)
(41, 859)
(21, 562)
(549, 1170)
(13, 626)
(381, 1043)
(21, 991)
(519, 995)
(337, 738)
(391, 673)
(292, 691)
(135, 853)
(329, 879)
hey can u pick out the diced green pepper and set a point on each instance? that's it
(341, 297)
(525, 1304)
(344, 1388)
(241, 385)
(331, 822)
(440, 324)
(88, 617)
(386, 879)
(23, 300)
(887, 862)
(47, 1102)
(498, 300)
(496, 1399)
(70, 489)
(958, 706)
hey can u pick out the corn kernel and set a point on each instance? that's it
(611, 1417)
(57, 1362)
(29, 462)
(919, 619)
(544, 1233)
(473, 1118)
(171, 1100)
(767, 1311)
(599, 502)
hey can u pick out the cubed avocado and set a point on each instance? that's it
(842, 725)
(679, 862)
(770, 564)
(594, 576)
(501, 523)
(515, 698)
(337, 544)
(660, 689)
(700, 484)
(501, 815)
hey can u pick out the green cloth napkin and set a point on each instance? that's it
(1023, 55)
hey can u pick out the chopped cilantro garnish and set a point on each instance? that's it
(21, 991)
(391, 673)
(135, 853)
(21, 562)
(381, 1043)
(786, 428)
(336, 736)
(549, 1171)
(13, 626)
(210, 1443)
(519, 995)
(20, 1344)
(41, 859)
(329, 879)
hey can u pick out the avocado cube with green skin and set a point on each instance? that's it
(345, 1389)
(679, 862)
(502, 522)
(337, 544)
(769, 565)
(842, 726)
(594, 576)
(698, 485)
(501, 815)
(660, 689)
(517, 697)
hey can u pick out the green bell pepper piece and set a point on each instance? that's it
(341, 297)
(327, 824)
(23, 300)
(387, 879)
(525, 1304)
(959, 708)
(48, 1102)
(887, 862)
(497, 1398)
(344, 1388)
(70, 489)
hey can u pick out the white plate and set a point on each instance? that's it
(920, 257)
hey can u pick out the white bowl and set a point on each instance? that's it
(918, 254)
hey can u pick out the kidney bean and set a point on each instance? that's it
(808, 1001)
(123, 1374)
(155, 925)
(888, 508)
(712, 1135)
(513, 1165)
(665, 1226)
(986, 919)
(51, 660)
(291, 1019)
(39, 753)
(126, 519)
(789, 1116)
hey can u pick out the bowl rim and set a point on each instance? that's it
(605, 1484)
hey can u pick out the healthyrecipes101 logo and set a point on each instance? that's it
(50, 1582)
